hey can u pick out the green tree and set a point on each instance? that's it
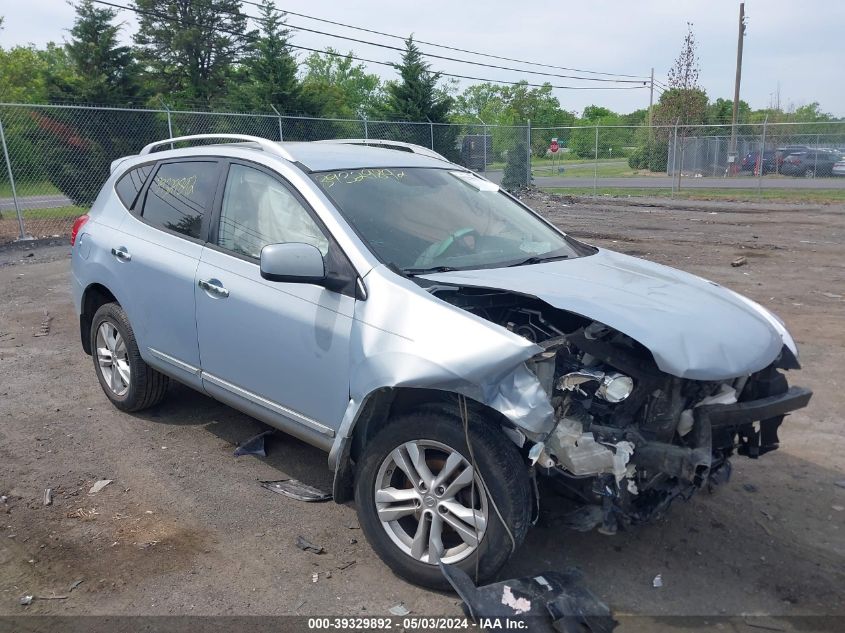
(105, 73)
(338, 86)
(268, 71)
(415, 97)
(516, 169)
(190, 47)
(720, 112)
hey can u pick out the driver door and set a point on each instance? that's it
(279, 351)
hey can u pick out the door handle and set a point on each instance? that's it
(121, 253)
(212, 286)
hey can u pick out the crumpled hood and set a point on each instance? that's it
(695, 328)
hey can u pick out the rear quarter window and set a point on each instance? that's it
(130, 184)
(180, 195)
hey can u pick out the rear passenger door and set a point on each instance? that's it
(156, 254)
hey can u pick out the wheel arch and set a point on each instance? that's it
(94, 296)
(384, 404)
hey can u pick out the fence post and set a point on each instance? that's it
(816, 156)
(22, 235)
(762, 153)
(484, 139)
(674, 154)
(431, 132)
(366, 132)
(169, 120)
(528, 167)
(279, 116)
(596, 165)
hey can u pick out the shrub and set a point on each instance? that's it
(516, 169)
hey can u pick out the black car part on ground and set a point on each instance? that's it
(548, 602)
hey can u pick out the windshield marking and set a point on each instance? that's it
(358, 175)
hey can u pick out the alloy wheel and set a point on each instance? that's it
(113, 358)
(430, 501)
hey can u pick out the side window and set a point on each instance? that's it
(179, 195)
(131, 183)
(259, 210)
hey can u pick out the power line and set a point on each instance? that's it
(461, 61)
(362, 59)
(444, 57)
(451, 48)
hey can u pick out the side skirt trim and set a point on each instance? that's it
(268, 404)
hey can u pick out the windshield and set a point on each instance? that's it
(425, 219)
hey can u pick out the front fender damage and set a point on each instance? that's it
(393, 346)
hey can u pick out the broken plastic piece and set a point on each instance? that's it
(254, 445)
(551, 601)
(99, 485)
(48, 496)
(307, 546)
(657, 582)
(399, 609)
(295, 489)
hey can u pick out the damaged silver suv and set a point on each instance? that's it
(441, 341)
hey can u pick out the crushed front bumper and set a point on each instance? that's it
(728, 420)
(763, 409)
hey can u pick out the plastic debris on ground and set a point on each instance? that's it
(99, 485)
(48, 496)
(549, 602)
(307, 546)
(254, 445)
(657, 582)
(295, 489)
(399, 609)
(739, 261)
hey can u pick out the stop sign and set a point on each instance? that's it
(554, 147)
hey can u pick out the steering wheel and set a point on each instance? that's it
(461, 241)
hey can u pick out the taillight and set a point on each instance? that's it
(77, 225)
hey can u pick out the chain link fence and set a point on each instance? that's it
(56, 158)
(643, 160)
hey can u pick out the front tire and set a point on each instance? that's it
(416, 502)
(126, 379)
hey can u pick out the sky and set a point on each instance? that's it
(792, 49)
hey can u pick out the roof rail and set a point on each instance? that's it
(271, 147)
(388, 144)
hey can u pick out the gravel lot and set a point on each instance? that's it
(186, 529)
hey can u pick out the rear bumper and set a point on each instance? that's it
(741, 413)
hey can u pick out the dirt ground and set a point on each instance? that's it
(185, 527)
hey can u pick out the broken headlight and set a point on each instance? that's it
(613, 386)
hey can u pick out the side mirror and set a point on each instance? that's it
(293, 262)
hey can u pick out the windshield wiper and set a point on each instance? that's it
(427, 271)
(537, 259)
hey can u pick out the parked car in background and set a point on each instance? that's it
(839, 168)
(749, 162)
(811, 163)
(444, 343)
(782, 152)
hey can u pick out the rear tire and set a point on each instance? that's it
(809, 173)
(440, 436)
(126, 379)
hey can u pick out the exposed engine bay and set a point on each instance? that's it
(629, 438)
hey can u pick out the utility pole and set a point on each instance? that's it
(740, 38)
(651, 99)
(650, 114)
